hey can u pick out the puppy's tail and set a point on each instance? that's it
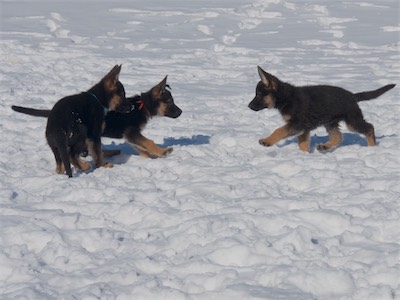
(373, 94)
(31, 111)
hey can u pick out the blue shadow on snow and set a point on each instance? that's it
(348, 140)
(127, 149)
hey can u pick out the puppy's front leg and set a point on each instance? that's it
(146, 147)
(97, 155)
(304, 141)
(276, 136)
(144, 153)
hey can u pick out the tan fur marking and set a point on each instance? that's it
(161, 109)
(114, 102)
(148, 148)
(304, 141)
(286, 118)
(371, 138)
(276, 136)
(269, 101)
(371, 141)
(145, 153)
(60, 169)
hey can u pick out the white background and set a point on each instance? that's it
(221, 217)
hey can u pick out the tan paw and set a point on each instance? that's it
(108, 165)
(167, 151)
(265, 142)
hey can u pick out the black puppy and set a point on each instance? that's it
(157, 101)
(308, 107)
(76, 122)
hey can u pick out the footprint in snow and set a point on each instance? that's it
(229, 39)
(204, 29)
(53, 24)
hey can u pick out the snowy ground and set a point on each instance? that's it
(222, 217)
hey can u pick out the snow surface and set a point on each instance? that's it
(221, 217)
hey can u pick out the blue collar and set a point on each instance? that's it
(95, 97)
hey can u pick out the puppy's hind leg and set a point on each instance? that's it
(355, 122)
(335, 138)
(61, 154)
(60, 169)
(74, 155)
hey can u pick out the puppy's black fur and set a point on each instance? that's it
(157, 101)
(75, 122)
(308, 107)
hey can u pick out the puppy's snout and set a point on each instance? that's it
(124, 106)
(253, 105)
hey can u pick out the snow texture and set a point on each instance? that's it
(221, 217)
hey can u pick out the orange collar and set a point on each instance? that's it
(141, 106)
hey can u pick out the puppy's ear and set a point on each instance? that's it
(111, 79)
(159, 89)
(269, 80)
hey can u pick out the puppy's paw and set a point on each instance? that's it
(168, 151)
(160, 153)
(107, 165)
(265, 143)
(323, 148)
(165, 151)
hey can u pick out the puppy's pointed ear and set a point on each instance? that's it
(269, 80)
(160, 88)
(111, 79)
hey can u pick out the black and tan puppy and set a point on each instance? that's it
(157, 101)
(76, 122)
(308, 107)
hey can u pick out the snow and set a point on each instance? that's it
(221, 217)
